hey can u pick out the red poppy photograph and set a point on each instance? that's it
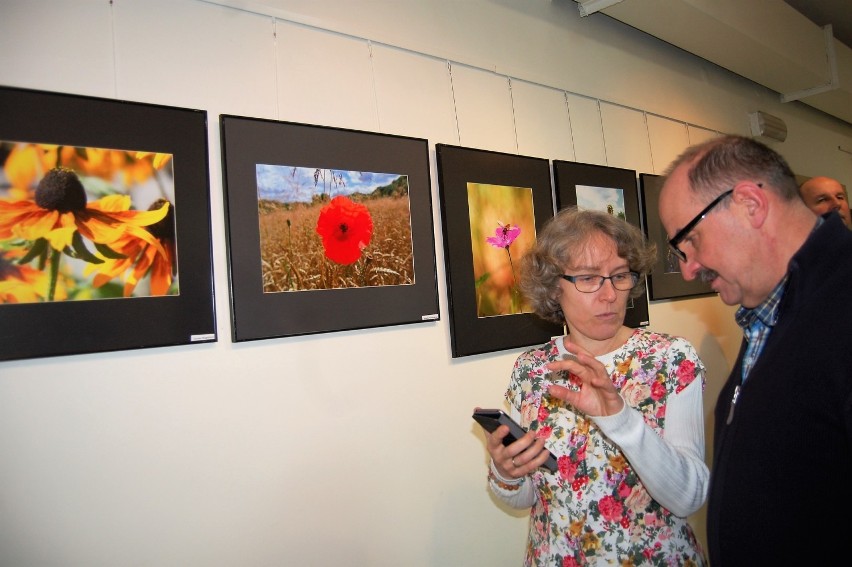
(323, 228)
(85, 223)
(343, 215)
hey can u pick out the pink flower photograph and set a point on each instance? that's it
(502, 229)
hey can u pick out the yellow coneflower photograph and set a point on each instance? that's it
(84, 223)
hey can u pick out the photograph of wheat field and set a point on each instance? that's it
(323, 228)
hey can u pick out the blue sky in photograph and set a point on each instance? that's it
(594, 198)
(289, 184)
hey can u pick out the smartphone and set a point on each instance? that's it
(491, 419)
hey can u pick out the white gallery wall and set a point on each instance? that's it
(345, 448)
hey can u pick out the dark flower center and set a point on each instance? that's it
(60, 190)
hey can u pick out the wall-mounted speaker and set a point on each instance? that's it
(768, 126)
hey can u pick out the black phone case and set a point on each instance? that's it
(491, 419)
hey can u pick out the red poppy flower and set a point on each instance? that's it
(346, 228)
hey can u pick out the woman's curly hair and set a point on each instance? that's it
(563, 240)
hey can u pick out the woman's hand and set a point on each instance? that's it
(519, 458)
(594, 393)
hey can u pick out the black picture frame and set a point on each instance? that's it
(259, 314)
(568, 175)
(457, 166)
(76, 326)
(665, 280)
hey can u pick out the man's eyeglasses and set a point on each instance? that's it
(592, 283)
(681, 234)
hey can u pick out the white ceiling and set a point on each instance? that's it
(779, 44)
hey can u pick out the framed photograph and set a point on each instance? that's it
(665, 280)
(104, 225)
(328, 229)
(608, 189)
(492, 205)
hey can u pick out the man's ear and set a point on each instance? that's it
(753, 200)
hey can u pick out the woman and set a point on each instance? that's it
(620, 408)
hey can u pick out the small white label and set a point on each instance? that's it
(429, 317)
(205, 337)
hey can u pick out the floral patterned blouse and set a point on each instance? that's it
(595, 509)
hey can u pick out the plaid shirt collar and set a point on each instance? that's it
(766, 312)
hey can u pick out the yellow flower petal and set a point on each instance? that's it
(144, 218)
(111, 203)
(23, 166)
(161, 159)
(96, 229)
(60, 238)
(36, 225)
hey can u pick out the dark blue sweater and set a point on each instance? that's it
(781, 481)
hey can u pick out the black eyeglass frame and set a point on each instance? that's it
(573, 280)
(681, 234)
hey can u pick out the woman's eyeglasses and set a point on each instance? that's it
(592, 283)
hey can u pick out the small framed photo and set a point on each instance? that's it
(492, 205)
(104, 225)
(608, 189)
(328, 229)
(665, 280)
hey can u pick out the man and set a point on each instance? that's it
(782, 453)
(824, 194)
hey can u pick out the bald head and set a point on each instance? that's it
(824, 194)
